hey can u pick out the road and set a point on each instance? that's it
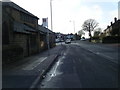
(84, 65)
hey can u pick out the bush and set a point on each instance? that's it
(111, 39)
(11, 53)
(95, 38)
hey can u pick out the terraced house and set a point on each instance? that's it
(113, 29)
(112, 33)
(20, 31)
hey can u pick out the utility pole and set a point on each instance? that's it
(73, 28)
(48, 44)
(51, 14)
(119, 10)
(89, 33)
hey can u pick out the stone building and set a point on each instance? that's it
(20, 29)
(44, 38)
(113, 29)
(21, 34)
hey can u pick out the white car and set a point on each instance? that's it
(57, 40)
(82, 39)
(68, 41)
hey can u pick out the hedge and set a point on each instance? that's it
(111, 39)
(95, 38)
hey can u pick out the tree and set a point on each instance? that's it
(80, 33)
(97, 32)
(77, 37)
(90, 25)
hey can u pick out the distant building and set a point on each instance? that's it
(60, 36)
(44, 39)
(70, 36)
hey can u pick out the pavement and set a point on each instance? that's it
(28, 72)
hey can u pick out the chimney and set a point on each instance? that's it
(111, 23)
(115, 19)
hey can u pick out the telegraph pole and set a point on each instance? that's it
(48, 44)
(51, 14)
(73, 28)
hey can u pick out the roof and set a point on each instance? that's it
(43, 29)
(19, 27)
(15, 6)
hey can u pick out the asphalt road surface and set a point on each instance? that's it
(83, 65)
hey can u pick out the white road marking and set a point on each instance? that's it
(34, 64)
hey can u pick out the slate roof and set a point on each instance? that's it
(22, 28)
(15, 6)
(43, 29)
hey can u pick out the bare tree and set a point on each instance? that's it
(81, 32)
(97, 32)
(90, 25)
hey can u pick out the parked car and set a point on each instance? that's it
(82, 39)
(57, 40)
(67, 41)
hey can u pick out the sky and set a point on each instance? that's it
(68, 14)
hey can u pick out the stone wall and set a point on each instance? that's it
(23, 41)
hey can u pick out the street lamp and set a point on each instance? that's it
(73, 28)
(48, 42)
(73, 25)
(51, 14)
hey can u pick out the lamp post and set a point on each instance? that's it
(119, 10)
(73, 28)
(48, 41)
(51, 14)
(73, 25)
